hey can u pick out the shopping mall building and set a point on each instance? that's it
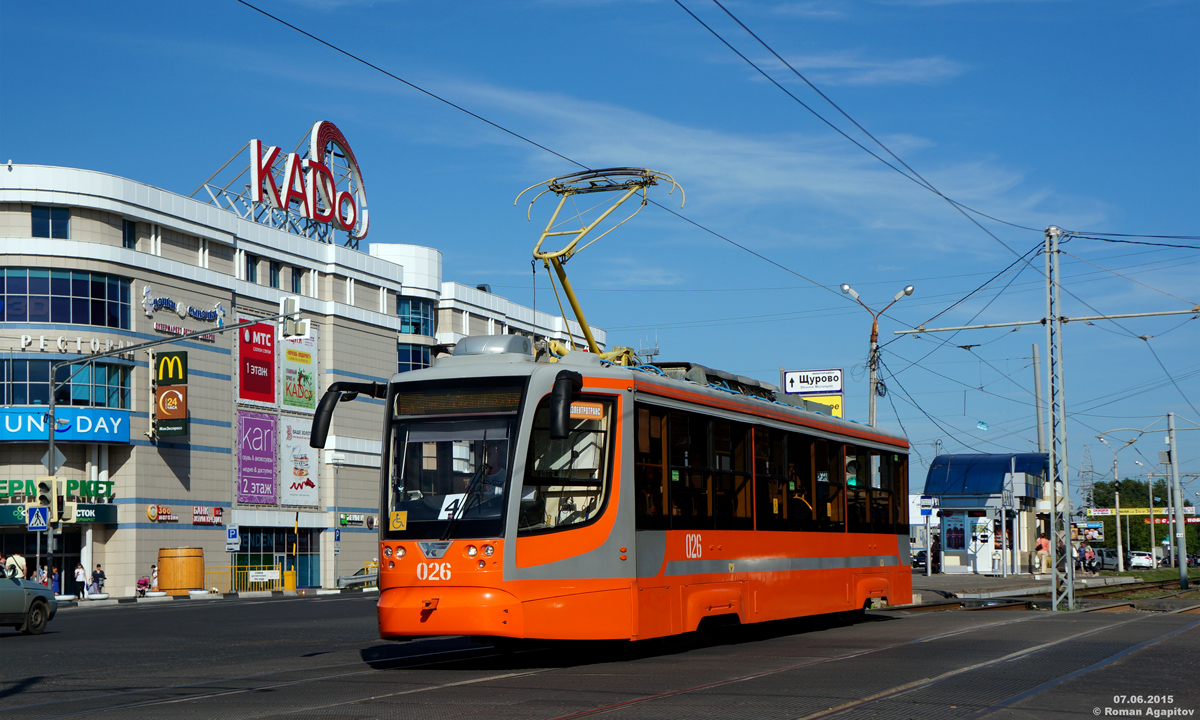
(171, 446)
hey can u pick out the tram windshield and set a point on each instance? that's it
(450, 460)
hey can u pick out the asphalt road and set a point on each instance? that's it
(319, 657)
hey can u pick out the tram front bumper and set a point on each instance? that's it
(442, 610)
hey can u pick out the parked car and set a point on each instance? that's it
(1140, 559)
(918, 559)
(1106, 559)
(26, 605)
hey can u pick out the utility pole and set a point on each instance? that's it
(873, 358)
(1063, 583)
(1117, 497)
(1180, 528)
(1038, 421)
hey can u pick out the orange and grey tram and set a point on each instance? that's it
(580, 500)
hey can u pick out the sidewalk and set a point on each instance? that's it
(108, 602)
(969, 585)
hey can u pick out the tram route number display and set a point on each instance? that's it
(433, 571)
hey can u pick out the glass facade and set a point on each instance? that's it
(64, 296)
(27, 382)
(416, 316)
(413, 357)
(264, 547)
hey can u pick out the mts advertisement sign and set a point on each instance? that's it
(256, 363)
(75, 424)
(325, 187)
(170, 394)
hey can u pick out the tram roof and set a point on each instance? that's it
(754, 397)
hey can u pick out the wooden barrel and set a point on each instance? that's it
(180, 570)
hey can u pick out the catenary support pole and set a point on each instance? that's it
(1180, 527)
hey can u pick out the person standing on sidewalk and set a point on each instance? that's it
(98, 579)
(81, 581)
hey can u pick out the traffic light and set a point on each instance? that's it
(67, 511)
(47, 495)
(1117, 486)
(290, 325)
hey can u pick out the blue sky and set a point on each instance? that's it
(1080, 114)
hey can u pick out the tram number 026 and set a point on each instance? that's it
(693, 547)
(433, 571)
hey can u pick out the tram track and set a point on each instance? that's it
(265, 682)
(126, 704)
(424, 660)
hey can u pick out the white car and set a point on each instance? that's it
(1141, 559)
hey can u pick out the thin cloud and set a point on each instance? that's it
(849, 68)
(818, 9)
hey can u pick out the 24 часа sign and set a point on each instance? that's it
(75, 424)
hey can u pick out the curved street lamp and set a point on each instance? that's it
(873, 358)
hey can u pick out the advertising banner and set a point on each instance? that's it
(1089, 531)
(297, 477)
(171, 410)
(256, 364)
(298, 362)
(954, 531)
(256, 476)
(75, 424)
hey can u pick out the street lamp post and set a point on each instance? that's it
(1117, 497)
(337, 459)
(1150, 494)
(873, 358)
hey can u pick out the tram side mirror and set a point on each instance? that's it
(344, 392)
(566, 384)
(322, 418)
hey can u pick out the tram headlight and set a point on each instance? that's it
(488, 550)
(391, 564)
(400, 551)
(387, 550)
(482, 564)
(472, 551)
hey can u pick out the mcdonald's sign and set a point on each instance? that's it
(170, 368)
(170, 396)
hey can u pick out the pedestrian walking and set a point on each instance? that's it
(98, 579)
(14, 566)
(81, 580)
(1042, 553)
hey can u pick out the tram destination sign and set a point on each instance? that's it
(813, 382)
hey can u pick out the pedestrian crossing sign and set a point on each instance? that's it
(37, 517)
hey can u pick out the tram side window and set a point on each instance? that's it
(732, 489)
(893, 472)
(858, 489)
(883, 495)
(650, 469)
(771, 479)
(802, 493)
(566, 481)
(828, 469)
(691, 478)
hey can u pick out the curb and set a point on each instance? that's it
(73, 603)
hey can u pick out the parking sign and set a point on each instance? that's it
(233, 539)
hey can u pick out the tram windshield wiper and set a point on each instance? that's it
(470, 495)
